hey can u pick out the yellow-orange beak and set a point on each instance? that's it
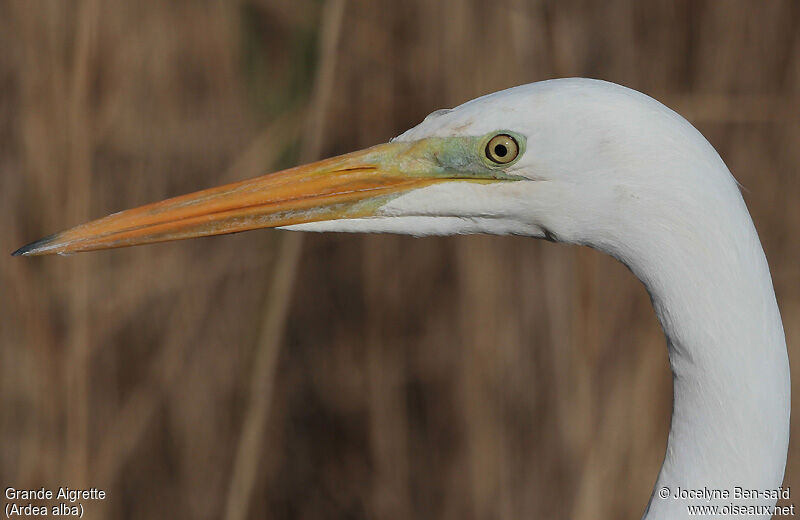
(354, 185)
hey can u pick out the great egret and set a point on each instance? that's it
(578, 161)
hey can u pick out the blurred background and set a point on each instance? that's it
(270, 375)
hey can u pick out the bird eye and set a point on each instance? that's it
(502, 149)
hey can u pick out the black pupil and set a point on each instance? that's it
(500, 150)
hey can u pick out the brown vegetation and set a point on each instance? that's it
(470, 377)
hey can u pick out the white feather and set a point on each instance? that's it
(613, 169)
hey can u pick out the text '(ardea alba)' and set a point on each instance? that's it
(577, 161)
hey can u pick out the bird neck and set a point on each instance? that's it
(712, 292)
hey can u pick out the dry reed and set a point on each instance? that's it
(469, 377)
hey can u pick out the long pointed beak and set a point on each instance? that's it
(354, 185)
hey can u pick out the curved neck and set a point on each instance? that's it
(713, 295)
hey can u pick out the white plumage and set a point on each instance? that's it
(589, 163)
(615, 170)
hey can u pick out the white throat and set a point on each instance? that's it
(613, 169)
(731, 385)
(712, 292)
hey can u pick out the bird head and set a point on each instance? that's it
(573, 160)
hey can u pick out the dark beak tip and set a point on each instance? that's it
(34, 247)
